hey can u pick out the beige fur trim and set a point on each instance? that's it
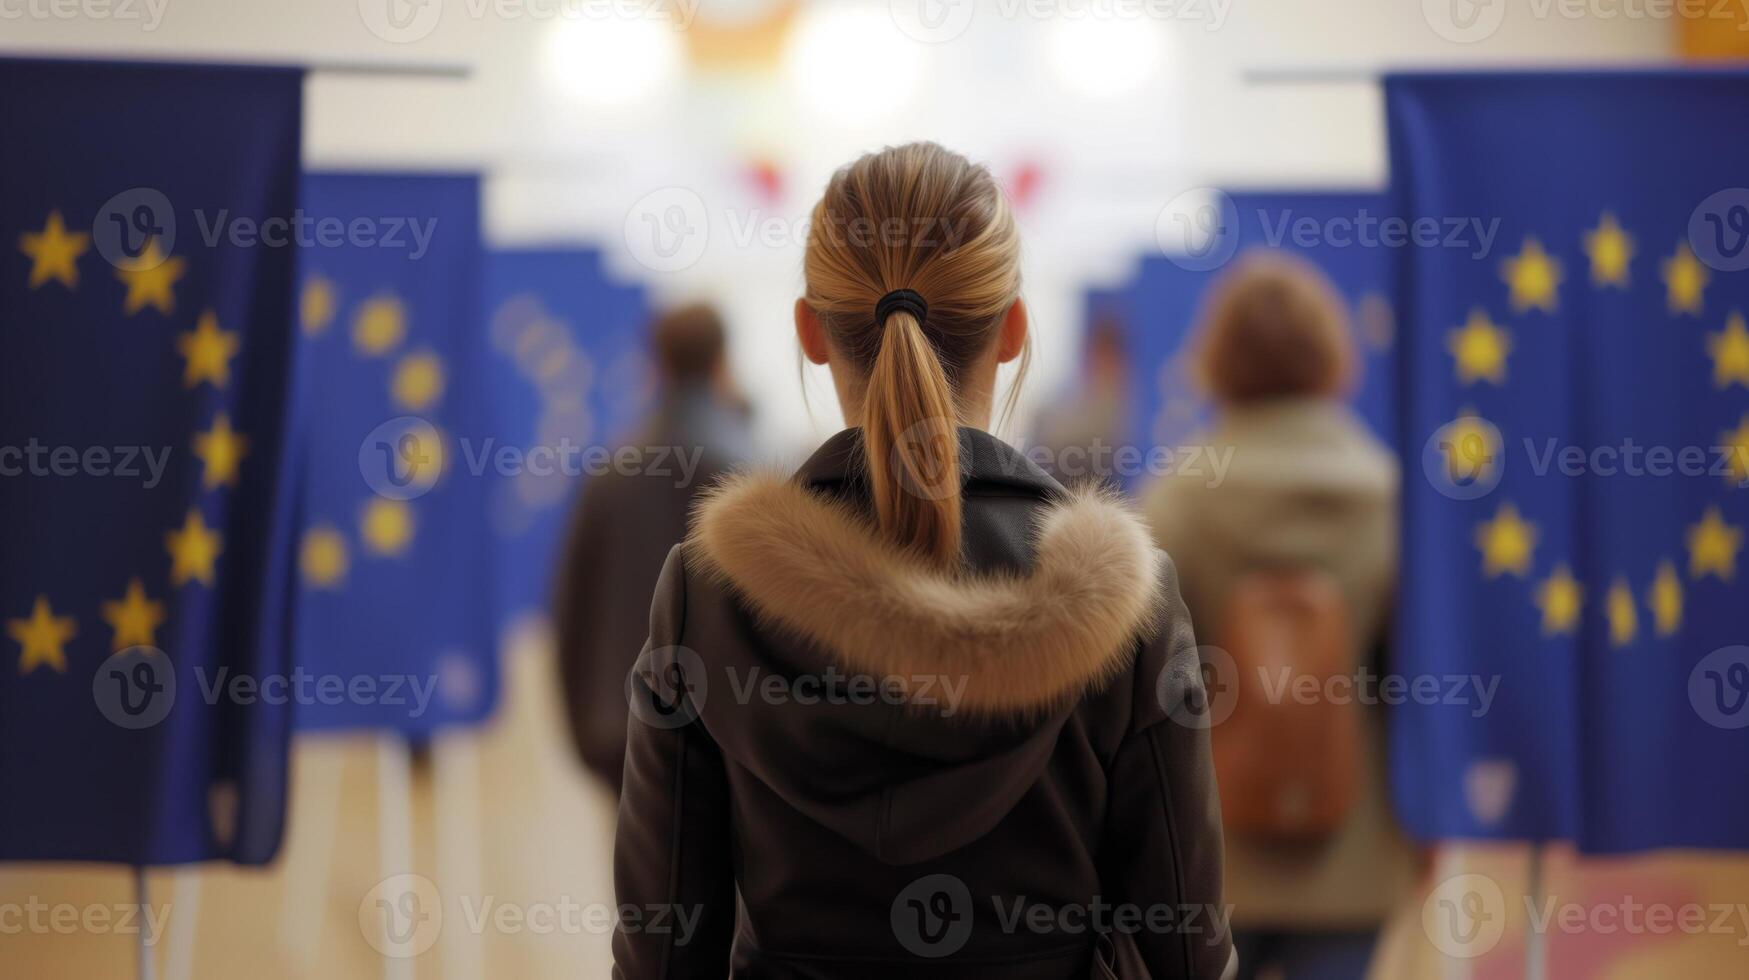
(1023, 643)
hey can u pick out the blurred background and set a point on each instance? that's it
(504, 204)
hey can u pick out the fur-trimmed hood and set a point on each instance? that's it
(1023, 642)
(967, 676)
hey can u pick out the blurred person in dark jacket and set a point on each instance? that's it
(626, 520)
(1083, 428)
(1301, 521)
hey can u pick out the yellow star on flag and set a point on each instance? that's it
(1507, 543)
(322, 558)
(1533, 276)
(54, 252)
(1624, 619)
(151, 280)
(1736, 446)
(1610, 249)
(1712, 546)
(1665, 598)
(387, 526)
(194, 549)
(42, 638)
(1685, 281)
(418, 381)
(1479, 349)
(222, 450)
(134, 618)
(1560, 597)
(207, 351)
(379, 325)
(316, 305)
(1729, 349)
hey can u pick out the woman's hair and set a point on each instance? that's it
(921, 218)
(1273, 327)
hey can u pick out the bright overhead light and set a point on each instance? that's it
(1105, 57)
(612, 61)
(851, 63)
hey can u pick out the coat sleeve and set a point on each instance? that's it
(584, 568)
(673, 874)
(1162, 851)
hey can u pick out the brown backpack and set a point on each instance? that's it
(1288, 764)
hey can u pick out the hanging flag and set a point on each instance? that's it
(1575, 425)
(146, 494)
(569, 373)
(394, 589)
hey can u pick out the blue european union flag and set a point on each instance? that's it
(394, 596)
(569, 375)
(1575, 419)
(1343, 233)
(146, 496)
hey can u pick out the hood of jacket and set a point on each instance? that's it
(933, 697)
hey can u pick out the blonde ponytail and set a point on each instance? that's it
(919, 220)
(911, 440)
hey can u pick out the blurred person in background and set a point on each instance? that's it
(1083, 427)
(1289, 566)
(625, 522)
(958, 662)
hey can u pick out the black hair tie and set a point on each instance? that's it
(901, 299)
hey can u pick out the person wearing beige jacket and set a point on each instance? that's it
(1305, 485)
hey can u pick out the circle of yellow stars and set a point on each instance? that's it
(148, 282)
(1480, 350)
(379, 326)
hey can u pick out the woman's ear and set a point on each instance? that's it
(1013, 337)
(809, 332)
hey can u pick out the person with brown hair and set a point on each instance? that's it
(917, 709)
(624, 522)
(1289, 560)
